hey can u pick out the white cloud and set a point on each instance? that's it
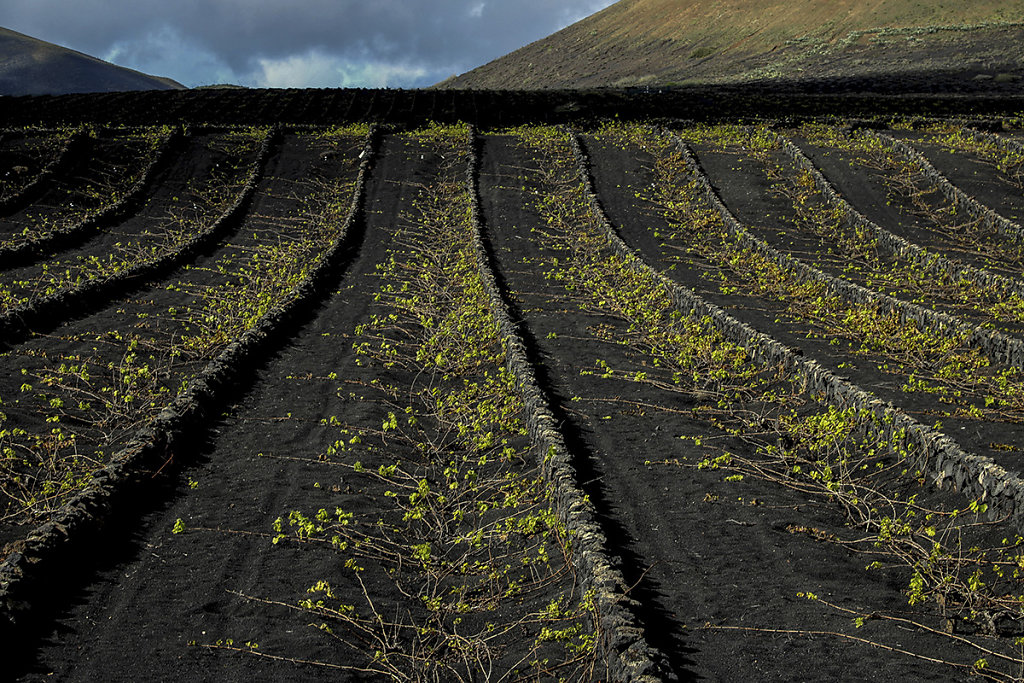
(164, 52)
(317, 69)
(252, 42)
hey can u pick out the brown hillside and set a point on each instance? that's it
(659, 42)
(29, 66)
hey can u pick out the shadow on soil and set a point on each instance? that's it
(120, 538)
(660, 630)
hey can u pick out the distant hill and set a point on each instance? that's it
(29, 66)
(919, 44)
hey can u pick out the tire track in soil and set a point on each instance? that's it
(156, 591)
(701, 549)
(615, 172)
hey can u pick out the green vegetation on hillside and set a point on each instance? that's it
(668, 42)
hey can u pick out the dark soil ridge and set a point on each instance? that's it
(896, 244)
(939, 455)
(1008, 144)
(695, 555)
(872, 193)
(621, 639)
(617, 175)
(17, 322)
(982, 178)
(50, 549)
(746, 190)
(988, 217)
(995, 344)
(108, 332)
(485, 108)
(13, 132)
(73, 147)
(28, 252)
(109, 161)
(147, 626)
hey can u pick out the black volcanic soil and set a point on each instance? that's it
(173, 200)
(785, 232)
(23, 157)
(500, 108)
(161, 596)
(716, 566)
(867, 192)
(972, 174)
(155, 592)
(105, 172)
(701, 550)
(742, 186)
(106, 329)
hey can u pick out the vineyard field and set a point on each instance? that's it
(567, 396)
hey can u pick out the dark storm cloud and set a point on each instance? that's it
(300, 43)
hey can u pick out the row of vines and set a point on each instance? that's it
(134, 260)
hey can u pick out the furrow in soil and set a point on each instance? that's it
(705, 550)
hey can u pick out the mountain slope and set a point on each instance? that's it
(29, 66)
(659, 42)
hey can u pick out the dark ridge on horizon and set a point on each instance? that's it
(29, 66)
(976, 46)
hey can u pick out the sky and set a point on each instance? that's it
(296, 43)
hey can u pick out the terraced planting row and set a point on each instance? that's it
(112, 172)
(632, 402)
(333, 106)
